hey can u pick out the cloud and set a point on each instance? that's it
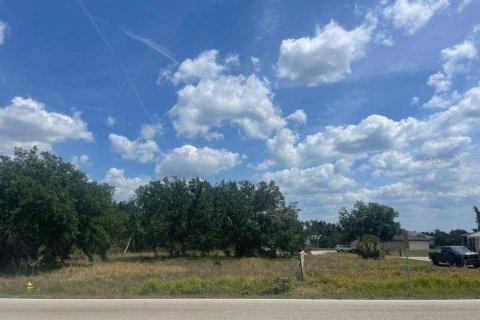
(426, 168)
(232, 59)
(442, 100)
(26, 123)
(297, 181)
(124, 187)
(80, 160)
(376, 134)
(264, 165)
(326, 57)
(299, 116)
(205, 66)
(111, 121)
(440, 82)
(446, 147)
(150, 131)
(382, 37)
(256, 63)
(456, 59)
(283, 147)
(463, 4)
(188, 161)
(412, 15)
(3, 31)
(139, 150)
(414, 101)
(211, 99)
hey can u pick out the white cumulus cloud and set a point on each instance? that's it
(205, 66)
(124, 187)
(377, 133)
(150, 131)
(440, 82)
(26, 123)
(312, 180)
(326, 57)
(214, 99)
(189, 161)
(140, 150)
(456, 59)
(298, 116)
(412, 15)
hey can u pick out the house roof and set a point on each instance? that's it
(473, 235)
(418, 237)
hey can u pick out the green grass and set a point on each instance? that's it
(327, 276)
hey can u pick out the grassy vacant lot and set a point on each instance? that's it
(327, 276)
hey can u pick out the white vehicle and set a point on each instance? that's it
(343, 248)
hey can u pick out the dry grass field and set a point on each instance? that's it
(327, 276)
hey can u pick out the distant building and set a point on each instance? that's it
(416, 241)
(471, 241)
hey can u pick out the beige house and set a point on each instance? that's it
(416, 241)
(471, 241)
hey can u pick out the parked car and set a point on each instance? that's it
(343, 248)
(455, 256)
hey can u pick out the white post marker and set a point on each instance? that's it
(406, 246)
(302, 264)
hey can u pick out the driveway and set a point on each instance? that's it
(320, 252)
(425, 259)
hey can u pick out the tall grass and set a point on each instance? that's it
(328, 276)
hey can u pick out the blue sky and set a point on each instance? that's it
(336, 101)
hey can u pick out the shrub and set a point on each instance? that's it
(369, 247)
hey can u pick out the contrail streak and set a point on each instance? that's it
(122, 68)
(152, 44)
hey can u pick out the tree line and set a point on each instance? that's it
(370, 219)
(363, 219)
(443, 238)
(49, 208)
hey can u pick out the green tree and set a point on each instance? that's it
(443, 238)
(47, 207)
(455, 236)
(477, 217)
(135, 226)
(202, 223)
(323, 234)
(372, 218)
(165, 205)
(248, 219)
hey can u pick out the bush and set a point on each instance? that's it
(369, 247)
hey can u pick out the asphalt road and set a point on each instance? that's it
(244, 309)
